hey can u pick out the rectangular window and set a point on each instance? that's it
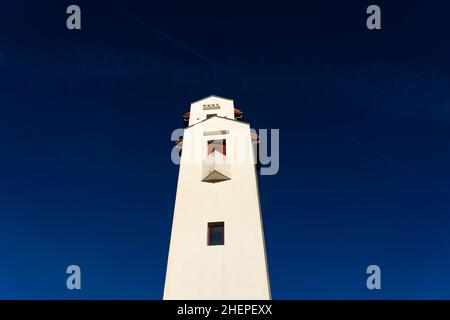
(216, 234)
(211, 115)
(220, 145)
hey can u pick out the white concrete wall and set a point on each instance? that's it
(238, 269)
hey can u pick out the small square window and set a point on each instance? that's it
(216, 234)
(220, 145)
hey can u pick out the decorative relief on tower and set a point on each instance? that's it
(211, 106)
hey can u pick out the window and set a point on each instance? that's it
(216, 234)
(211, 115)
(220, 145)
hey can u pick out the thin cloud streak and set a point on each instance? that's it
(387, 158)
(398, 165)
(174, 41)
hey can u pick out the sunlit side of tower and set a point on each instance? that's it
(217, 248)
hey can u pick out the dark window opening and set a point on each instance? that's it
(211, 115)
(219, 145)
(216, 234)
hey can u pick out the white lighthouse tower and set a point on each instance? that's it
(217, 248)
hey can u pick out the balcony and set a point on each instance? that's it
(215, 168)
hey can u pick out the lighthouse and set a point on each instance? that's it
(217, 248)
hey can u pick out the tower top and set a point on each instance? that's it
(209, 107)
(212, 96)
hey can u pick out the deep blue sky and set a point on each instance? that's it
(364, 118)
